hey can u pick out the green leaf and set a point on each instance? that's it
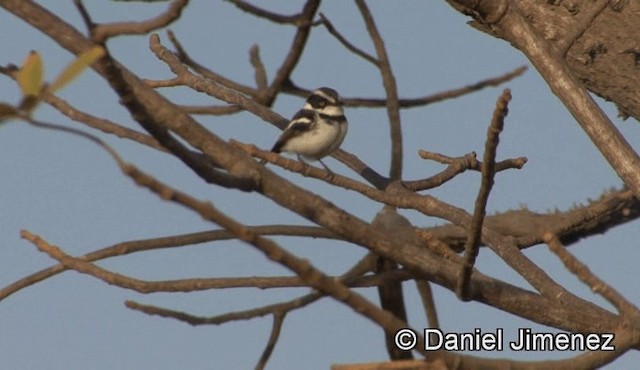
(31, 75)
(75, 68)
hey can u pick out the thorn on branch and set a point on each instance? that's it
(582, 272)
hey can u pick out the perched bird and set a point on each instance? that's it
(317, 129)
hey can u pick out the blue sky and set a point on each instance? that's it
(71, 193)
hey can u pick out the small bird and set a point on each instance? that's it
(317, 129)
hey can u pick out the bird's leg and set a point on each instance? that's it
(319, 160)
(326, 167)
(301, 160)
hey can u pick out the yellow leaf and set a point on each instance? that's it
(76, 67)
(31, 75)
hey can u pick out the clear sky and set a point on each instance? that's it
(71, 193)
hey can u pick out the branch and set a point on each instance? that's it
(488, 172)
(104, 125)
(229, 317)
(527, 227)
(261, 13)
(507, 20)
(304, 22)
(428, 304)
(503, 246)
(457, 166)
(258, 66)
(135, 246)
(102, 32)
(357, 270)
(349, 46)
(583, 273)
(278, 320)
(412, 255)
(291, 88)
(185, 58)
(391, 89)
(274, 252)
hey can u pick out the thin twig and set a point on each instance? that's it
(515, 163)
(258, 66)
(290, 305)
(104, 125)
(429, 305)
(213, 110)
(391, 89)
(135, 246)
(86, 17)
(360, 268)
(472, 245)
(582, 272)
(291, 88)
(191, 285)
(278, 320)
(359, 52)
(214, 88)
(185, 58)
(304, 24)
(102, 32)
(261, 13)
(171, 82)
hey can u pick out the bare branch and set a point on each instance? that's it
(210, 87)
(583, 273)
(229, 317)
(171, 82)
(216, 110)
(472, 245)
(505, 16)
(357, 270)
(261, 13)
(102, 32)
(349, 46)
(185, 58)
(274, 252)
(258, 66)
(104, 125)
(278, 320)
(291, 88)
(457, 166)
(527, 227)
(283, 74)
(135, 246)
(391, 89)
(429, 305)
(84, 13)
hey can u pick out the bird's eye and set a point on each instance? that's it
(322, 103)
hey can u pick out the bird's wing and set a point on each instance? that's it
(301, 122)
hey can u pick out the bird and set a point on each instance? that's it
(316, 130)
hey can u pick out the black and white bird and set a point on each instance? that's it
(317, 130)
